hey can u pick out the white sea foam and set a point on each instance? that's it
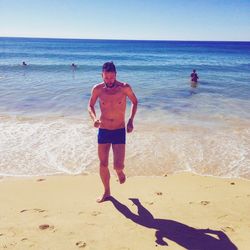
(59, 145)
(40, 146)
(206, 152)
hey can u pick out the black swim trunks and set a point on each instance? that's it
(116, 136)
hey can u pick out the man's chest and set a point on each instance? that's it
(109, 98)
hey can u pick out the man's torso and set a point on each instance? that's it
(113, 106)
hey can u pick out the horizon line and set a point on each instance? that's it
(117, 39)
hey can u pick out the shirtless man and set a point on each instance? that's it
(112, 96)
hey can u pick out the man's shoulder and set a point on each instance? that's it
(124, 85)
(98, 86)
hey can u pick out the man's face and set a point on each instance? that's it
(109, 77)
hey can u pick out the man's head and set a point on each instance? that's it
(109, 73)
(194, 70)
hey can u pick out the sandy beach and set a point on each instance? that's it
(157, 89)
(180, 211)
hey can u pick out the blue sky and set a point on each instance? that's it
(227, 20)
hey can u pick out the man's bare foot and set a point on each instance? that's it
(121, 176)
(103, 198)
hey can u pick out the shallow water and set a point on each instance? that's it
(44, 125)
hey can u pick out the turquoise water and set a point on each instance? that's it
(45, 127)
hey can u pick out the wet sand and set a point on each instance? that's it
(183, 211)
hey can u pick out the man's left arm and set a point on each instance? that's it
(134, 101)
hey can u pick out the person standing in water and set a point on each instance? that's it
(112, 96)
(74, 66)
(194, 77)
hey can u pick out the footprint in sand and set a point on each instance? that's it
(81, 244)
(1, 234)
(46, 226)
(159, 193)
(35, 209)
(95, 213)
(204, 203)
(10, 244)
(24, 210)
(227, 229)
(232, 183)
(39, 210)
(40, 179)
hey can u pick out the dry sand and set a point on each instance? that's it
(183, 211)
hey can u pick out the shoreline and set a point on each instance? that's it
(112, 174)
(61, 212)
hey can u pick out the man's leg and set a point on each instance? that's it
(103, 153)
(119, 156)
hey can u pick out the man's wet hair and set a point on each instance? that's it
(108, 67)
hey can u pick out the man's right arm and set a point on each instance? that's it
(91, 105)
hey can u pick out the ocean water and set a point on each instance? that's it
(44, 124)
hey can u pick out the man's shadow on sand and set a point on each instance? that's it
(186, 236)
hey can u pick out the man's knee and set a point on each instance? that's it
(118, 165)
(104, 164)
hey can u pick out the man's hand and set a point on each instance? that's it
(97, 123)
(130, 126)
